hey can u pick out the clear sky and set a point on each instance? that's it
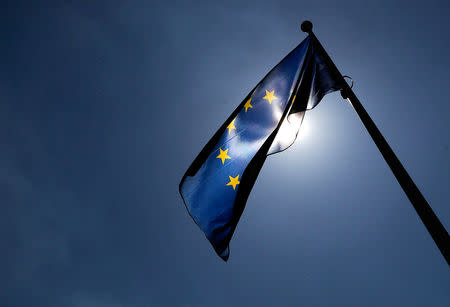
(104, 105)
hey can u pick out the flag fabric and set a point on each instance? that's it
(216, 186)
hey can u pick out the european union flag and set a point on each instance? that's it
(216, 186)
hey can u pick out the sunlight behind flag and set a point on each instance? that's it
(216, 186)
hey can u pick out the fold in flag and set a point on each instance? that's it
(216, 186)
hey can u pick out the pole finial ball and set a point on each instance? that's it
(306, 26)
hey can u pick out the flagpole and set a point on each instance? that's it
(423, 209)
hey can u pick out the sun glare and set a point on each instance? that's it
(304, 130)
(288, 130)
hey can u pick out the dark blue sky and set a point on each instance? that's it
(103, 106)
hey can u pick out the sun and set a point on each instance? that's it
(289, 129)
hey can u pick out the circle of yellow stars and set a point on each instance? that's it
(223, 155)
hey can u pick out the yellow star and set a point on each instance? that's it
(248, 105)
(231, 126)
(270, 96)
(223, 155)
(234, 181)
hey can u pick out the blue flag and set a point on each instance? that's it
(216, 186)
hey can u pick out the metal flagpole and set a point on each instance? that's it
(423, 209)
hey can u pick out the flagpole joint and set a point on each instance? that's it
(344, 93)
